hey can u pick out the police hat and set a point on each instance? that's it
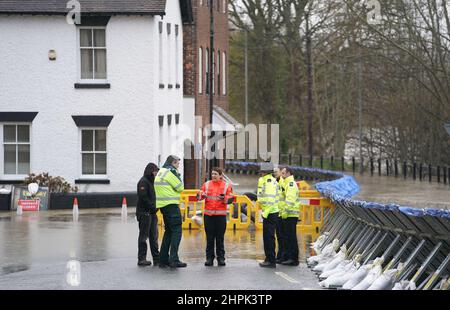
(266, 167)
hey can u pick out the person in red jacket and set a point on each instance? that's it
(217, 194)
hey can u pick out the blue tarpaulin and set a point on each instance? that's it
(412, 211)
(340, 188)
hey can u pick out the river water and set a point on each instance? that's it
(383, 189)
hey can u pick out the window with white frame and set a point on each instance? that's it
(93, 152)
(207, 71)
(224, 6)
(224, 73)
(169, 55)
(160, 29)
(16, 149)
(177, 61)
(200, 70)
(213, 72)
(93, 53)
(219, 69)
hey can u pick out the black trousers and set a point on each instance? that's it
(281, 239)
(215, 227)
(148, 229)
(172, 233)
(291, 238)
(269, 228)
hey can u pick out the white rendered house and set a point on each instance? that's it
(91, 102)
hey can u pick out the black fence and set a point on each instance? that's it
(373, 166)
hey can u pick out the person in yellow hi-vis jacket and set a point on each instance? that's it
(290, 214)
(168, 188)
(280, 234)
(268, 199)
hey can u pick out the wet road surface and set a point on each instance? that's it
(36, 247)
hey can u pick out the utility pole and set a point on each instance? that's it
(246, 78)
(247, 139)
(212, 161)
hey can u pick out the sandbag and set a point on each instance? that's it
(356, 277)
(404, 286)
(343, 266)
(318, 244)
(335, 262)
(339, 279)
(385, 281)
(373, 274)
(328, 252)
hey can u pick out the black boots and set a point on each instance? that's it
(155, 261)
(266, 264)
(178, 264)
(144, 262)
(290, 262)
(210, 262)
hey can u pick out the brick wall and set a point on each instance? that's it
(195, 36)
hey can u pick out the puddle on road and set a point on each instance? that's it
(13, 269)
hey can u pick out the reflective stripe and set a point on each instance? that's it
(165, 174)
(267, 195)
(207, 187)
(292, 212)
(178, 186)
(225, 189)
(168, 199)
(290, 203)
(220, 212)
(214, 197)
(268, 203)
(162, 183)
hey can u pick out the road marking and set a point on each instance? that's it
(286, 277)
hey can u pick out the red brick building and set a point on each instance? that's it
(197, 51)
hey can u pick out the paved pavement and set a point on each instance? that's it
(35, 250)
(123, 274)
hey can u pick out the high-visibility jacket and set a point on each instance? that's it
(167, 188)
(291, 200)
(214, 204)
(268, 195)
(281, 196)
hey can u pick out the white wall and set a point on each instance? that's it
(170, 101)
(30, 82)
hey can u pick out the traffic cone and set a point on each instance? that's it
(124, 208)
(75, 208)
(19, 208)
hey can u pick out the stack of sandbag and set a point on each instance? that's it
(334, 262)
(342, 273)
(359, 275)
(328, 252)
